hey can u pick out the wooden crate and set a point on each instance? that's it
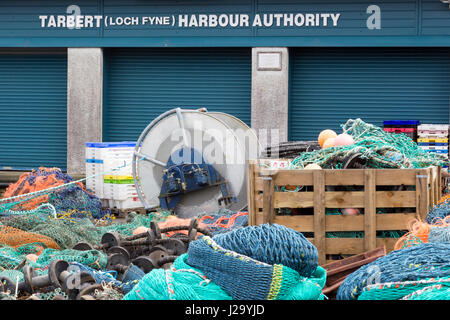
(263, 199)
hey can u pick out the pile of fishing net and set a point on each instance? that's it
(50, 186)
(399, 273)
(439, 211)
(422, 232)
(429, 289)
(37, 255)
(38, 240)
(108, 277)
(435, 229)
(418, 269)
(66, 233)
(263, 262)
(379, 148)
(440, 291)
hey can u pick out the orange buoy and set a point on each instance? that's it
(328, 143)
(324, 135)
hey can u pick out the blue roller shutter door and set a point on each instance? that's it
(33, 109)
(329, 86)
(140, 84)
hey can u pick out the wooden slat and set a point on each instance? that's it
(333, 223)
(422, 195)
(370, 211)
(387, 177)
(250, 193)
(294, 199)
(440, 182)
(299, 223)
(344, 223)
(338, 199)
(389, 243)
(431, 173)
(258, 183)
(259, 218)
(355, 246)
(354, 177)
(294, 178)
(435, 185)
(319, 214)
(342, 199)
(394, 221)
(268, 210)
(395, 199)
(395, 177)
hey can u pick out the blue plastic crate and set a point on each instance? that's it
(432, 144)
(401, 122)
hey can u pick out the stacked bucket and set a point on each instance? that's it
(434, 138)
(116, 186)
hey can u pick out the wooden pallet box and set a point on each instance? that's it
(415, 190)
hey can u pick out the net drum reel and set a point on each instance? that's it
(193, 162)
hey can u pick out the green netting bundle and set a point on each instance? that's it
(182, 282)
(436, 292)
(9, 258)
(14, 275)
(67, 233)
(92, 258)
(51, 294)
(381, 150)
(399, 290)
(136, 220)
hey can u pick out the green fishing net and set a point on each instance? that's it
(381, 150)
(66, 233)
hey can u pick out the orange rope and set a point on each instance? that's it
(443, 198)
(230, 220)
(421, 230)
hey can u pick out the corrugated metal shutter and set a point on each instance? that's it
(329, 86)
(33, 109)
(143, 83)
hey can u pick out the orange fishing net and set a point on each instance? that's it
(443, 198)
(419, 232)
(15, 238)
(33, 181)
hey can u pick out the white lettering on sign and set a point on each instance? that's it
(75, 20)
(71, 22)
